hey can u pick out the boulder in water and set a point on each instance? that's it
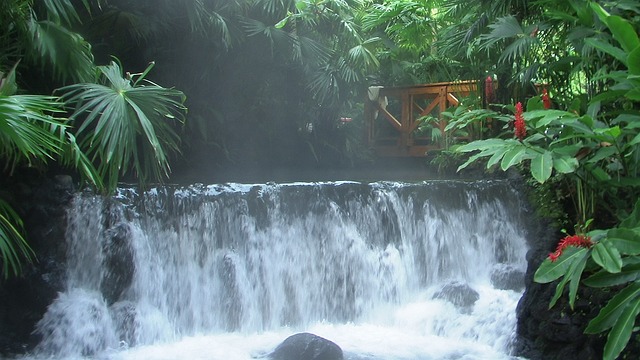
(461, 295)
(507, 277)
(307, 346)
(118, 262)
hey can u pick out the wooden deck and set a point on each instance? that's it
(392, 115)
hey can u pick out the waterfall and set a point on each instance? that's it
(387, 270)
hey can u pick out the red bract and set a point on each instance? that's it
(570, 240)
(519, 125)
(546, 102)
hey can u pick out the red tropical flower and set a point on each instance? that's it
(570, 240)
(519, 125)
(546, 102)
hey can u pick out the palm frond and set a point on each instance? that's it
(24, 128)
(517, 49)
(125, 127)
(13, 247)
(66, 51)
(207, 21)
(274, 7)
(362, 55)
(503, 28)
(61, 12)
(324, 85)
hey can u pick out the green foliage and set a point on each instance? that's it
(25, 136)
(126, 123)
(34, 130)
(615, 254)
(595, 154)
(13, 247)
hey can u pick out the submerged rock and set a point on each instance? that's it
(307, 346)
(461, 295)
(507, 277)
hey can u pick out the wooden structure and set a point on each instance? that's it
(392, 115)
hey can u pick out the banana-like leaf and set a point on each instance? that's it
(542, 166)
(621, 332)
(610, 313)
(607, 256)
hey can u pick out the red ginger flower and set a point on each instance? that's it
(570, 240)
(519, 125)
(546, 102)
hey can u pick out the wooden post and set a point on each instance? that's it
(405, 121)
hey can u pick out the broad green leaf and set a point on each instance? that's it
(607, 256)
(613, 131)
(609, 314)
(568, 150)
(634, 141)
(624, 32)
(575, 273)
(603, 153)
(481, 145)
(542, 118)
(625, 181)
(553, 270)
(604, 278)
(587, 120)
(602, 13)
(497, 156)
(633, 220)
(629, 121)
(625, 240)
(621, 332)
(541, 166)
(512, 157)
(473, 158)
(565, 164)
(560, 288)
(535, 103)
(633, 61)
(633, 94)
(611, 95)
(607, 48)
(600, 174)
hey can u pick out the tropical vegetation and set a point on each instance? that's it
(277, 82)
(589, 146)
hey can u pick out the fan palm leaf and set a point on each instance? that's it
(29, 132)
(126, 125)
(67, 52)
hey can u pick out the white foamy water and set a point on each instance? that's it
(388, 271)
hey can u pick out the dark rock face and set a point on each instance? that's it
(461, 295)
(118, 262)
(42, 204)
(306, 346)
(558, 333)
(506, 277)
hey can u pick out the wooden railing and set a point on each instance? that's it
(392, 115)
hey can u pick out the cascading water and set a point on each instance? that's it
(392, 271)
